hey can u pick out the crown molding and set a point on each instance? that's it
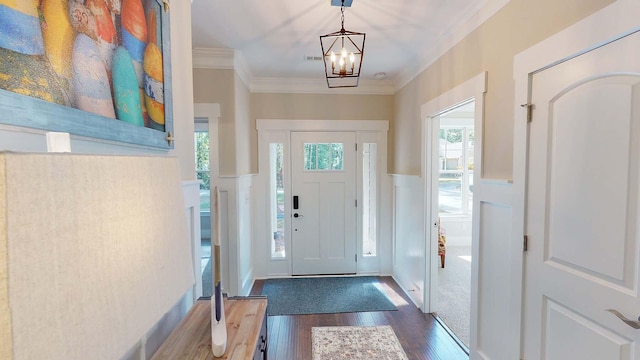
(319, 86)
(468, 22)
(230, 59)
(242, 69)
(225, 59)
(212, 58)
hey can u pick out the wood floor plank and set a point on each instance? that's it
(421, 336)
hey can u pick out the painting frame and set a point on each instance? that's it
(30, 112)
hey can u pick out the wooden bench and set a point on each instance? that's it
(246, 332)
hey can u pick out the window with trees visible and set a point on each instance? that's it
(323, 156)
(276, 158)
(202, 168)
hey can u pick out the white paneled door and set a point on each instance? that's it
(323, 224)
(582, 207)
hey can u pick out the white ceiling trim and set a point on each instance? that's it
(230, 59)
(468, 23)
(213, 58)
(225, 59)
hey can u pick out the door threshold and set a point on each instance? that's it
(451, 333)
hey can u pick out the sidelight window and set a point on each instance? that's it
(276, 161)
(369, 199)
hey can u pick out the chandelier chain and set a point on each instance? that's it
(342, 12)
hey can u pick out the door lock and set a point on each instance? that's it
(295, 215)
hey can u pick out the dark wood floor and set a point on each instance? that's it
(420, 334)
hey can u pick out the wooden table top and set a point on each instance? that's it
(191, 339)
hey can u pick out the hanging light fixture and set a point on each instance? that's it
(342, 54)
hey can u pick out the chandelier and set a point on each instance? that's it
(342, 54)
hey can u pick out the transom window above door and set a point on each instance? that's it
(323, 156)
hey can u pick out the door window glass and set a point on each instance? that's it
(323, 156)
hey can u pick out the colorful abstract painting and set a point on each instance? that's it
(101, 56)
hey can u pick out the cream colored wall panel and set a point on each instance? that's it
(217, 86)
(246, 134)
(517, 26)
(6, 343)
(322, 106)
(98, 251)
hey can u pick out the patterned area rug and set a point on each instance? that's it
(356, 342)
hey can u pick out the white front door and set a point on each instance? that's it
(582, 207)
(324, 202)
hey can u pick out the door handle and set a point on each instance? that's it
(295, 215)
(633, 323)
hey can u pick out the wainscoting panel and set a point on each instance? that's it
(236, 235)
(245, 221)
(227, 190)
(409, 260)
(191, 194)
(491, 268)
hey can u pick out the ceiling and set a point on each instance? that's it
(275, 36)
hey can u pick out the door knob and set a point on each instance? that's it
(633, 323)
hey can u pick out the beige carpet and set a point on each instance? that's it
(454, 292)
(356, 342)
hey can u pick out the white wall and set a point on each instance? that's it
(409, 253)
